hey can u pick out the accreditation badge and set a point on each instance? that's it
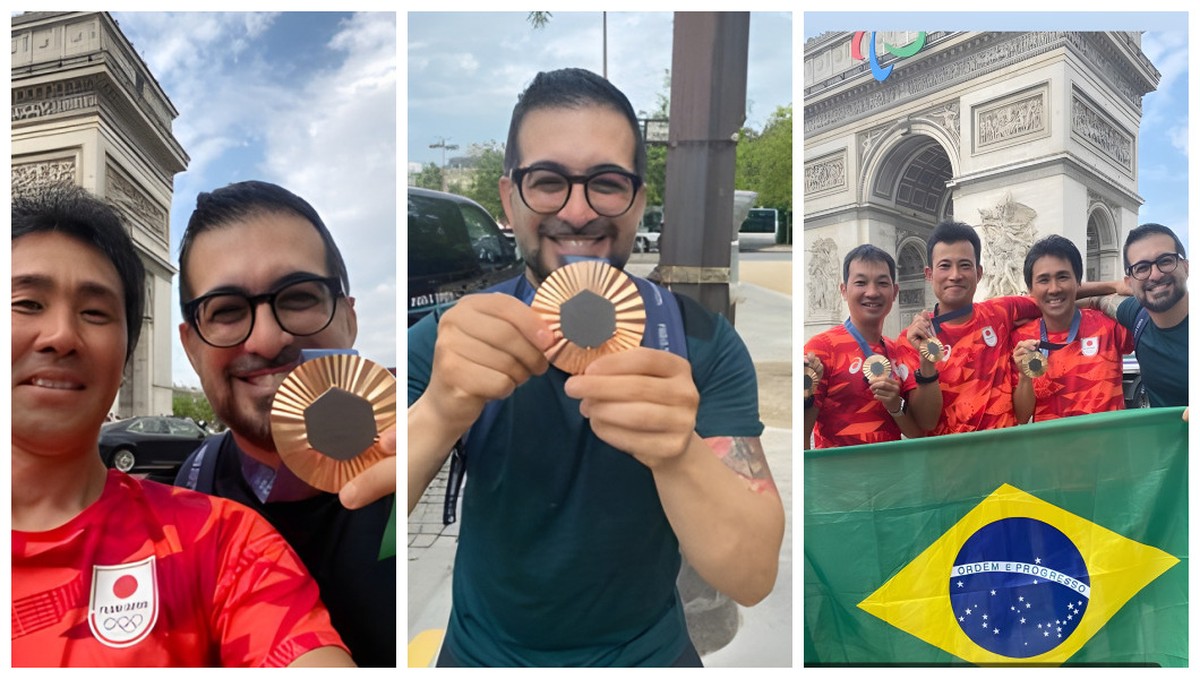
(593, 309)
(123, 605)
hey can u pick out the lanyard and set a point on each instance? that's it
(1046, 346)
(950, 316)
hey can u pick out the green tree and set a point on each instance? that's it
(484, 185)
(192, 404)
(764, 161)
(656, 154)
(539, 19)
(430, 177)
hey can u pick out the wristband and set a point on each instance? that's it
(921, 379)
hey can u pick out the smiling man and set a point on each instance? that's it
(975, 372)
(260, 279)
(1082, 348)
(1156, 271)
(110, 571)
(583, 489)
(847, 407)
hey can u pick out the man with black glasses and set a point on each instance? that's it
(1156, 271)
(582, 489)
(260, 279)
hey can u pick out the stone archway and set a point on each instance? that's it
(1102, 259)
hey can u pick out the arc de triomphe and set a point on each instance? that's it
(1018, 134)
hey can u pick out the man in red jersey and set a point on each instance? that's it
(975, 370)
(108, 570)
(847, 407)
(1081, 348)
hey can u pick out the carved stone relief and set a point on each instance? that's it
(1007, 232)
(135, 204)
(29, 176)
(51, 98)
(946, 116)
(825, 174)
(1016, 118)
(822, 282)
(1093, 126)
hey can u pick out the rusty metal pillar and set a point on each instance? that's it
(708, 107)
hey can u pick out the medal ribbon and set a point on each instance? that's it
(1046, 346)
(950, 316)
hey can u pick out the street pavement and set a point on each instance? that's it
(763, 318)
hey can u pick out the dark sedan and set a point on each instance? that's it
(154, 445)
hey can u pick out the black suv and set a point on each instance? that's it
(454, 247)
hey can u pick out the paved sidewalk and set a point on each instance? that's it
(763, 317)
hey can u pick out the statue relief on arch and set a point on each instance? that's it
(1006, 231)
(822, 284)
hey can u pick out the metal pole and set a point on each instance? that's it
(708, 105)
(605, 65)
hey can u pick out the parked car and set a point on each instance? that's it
(156, 445)
(454, 247)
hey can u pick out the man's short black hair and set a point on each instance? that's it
(1146, 230)
(868, 253)
(72, 211)
(1053, 245)
(952, 232)
(571, 88)
(252, 198)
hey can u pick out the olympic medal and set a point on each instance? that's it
(327, 416)
(810, 381)
(876, 367)
(593, 309)
(1033, 364)
(931, 349)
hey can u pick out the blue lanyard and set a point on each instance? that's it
(1046, 346)
(938, 320)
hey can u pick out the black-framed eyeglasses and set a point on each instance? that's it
(1165, 263)
(546, 190)
(301, 307)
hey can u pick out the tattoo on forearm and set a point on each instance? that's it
(1109, 304)
(746, 457)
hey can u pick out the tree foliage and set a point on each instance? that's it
(194, 405)
(483, 185)
(539, 19)
(764, 161)
(430, 177)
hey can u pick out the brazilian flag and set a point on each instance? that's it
(1056, 543)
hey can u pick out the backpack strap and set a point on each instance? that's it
(1139, 324)
(200, 468)
(664, 330)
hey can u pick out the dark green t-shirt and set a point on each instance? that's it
(565, 557)
(1162, 354)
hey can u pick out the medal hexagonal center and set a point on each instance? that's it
(588, 320)
(340, 424)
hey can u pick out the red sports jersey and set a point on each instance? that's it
(976, 371)
(850, 415)
(1084, 376)
(151, 575)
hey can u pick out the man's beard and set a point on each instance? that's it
(542, 270)
(255, 427)
(1164, 304)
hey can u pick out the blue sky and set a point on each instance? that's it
(1162, 140)
(465, 70)
(305, 100)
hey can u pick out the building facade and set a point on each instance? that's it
(86, 109)
(1020, 135)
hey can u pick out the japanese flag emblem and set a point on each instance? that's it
(124, 603)
(1090, 345)
(989, 336)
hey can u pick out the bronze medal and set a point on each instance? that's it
(1033, 364)
(931, 349)
(810, 381)
(876, 367)
(593, 309)
(327, 416)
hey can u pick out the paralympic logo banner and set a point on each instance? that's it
(881, 73)
(1016, 580)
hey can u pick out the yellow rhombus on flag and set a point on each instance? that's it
(1016, 580)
